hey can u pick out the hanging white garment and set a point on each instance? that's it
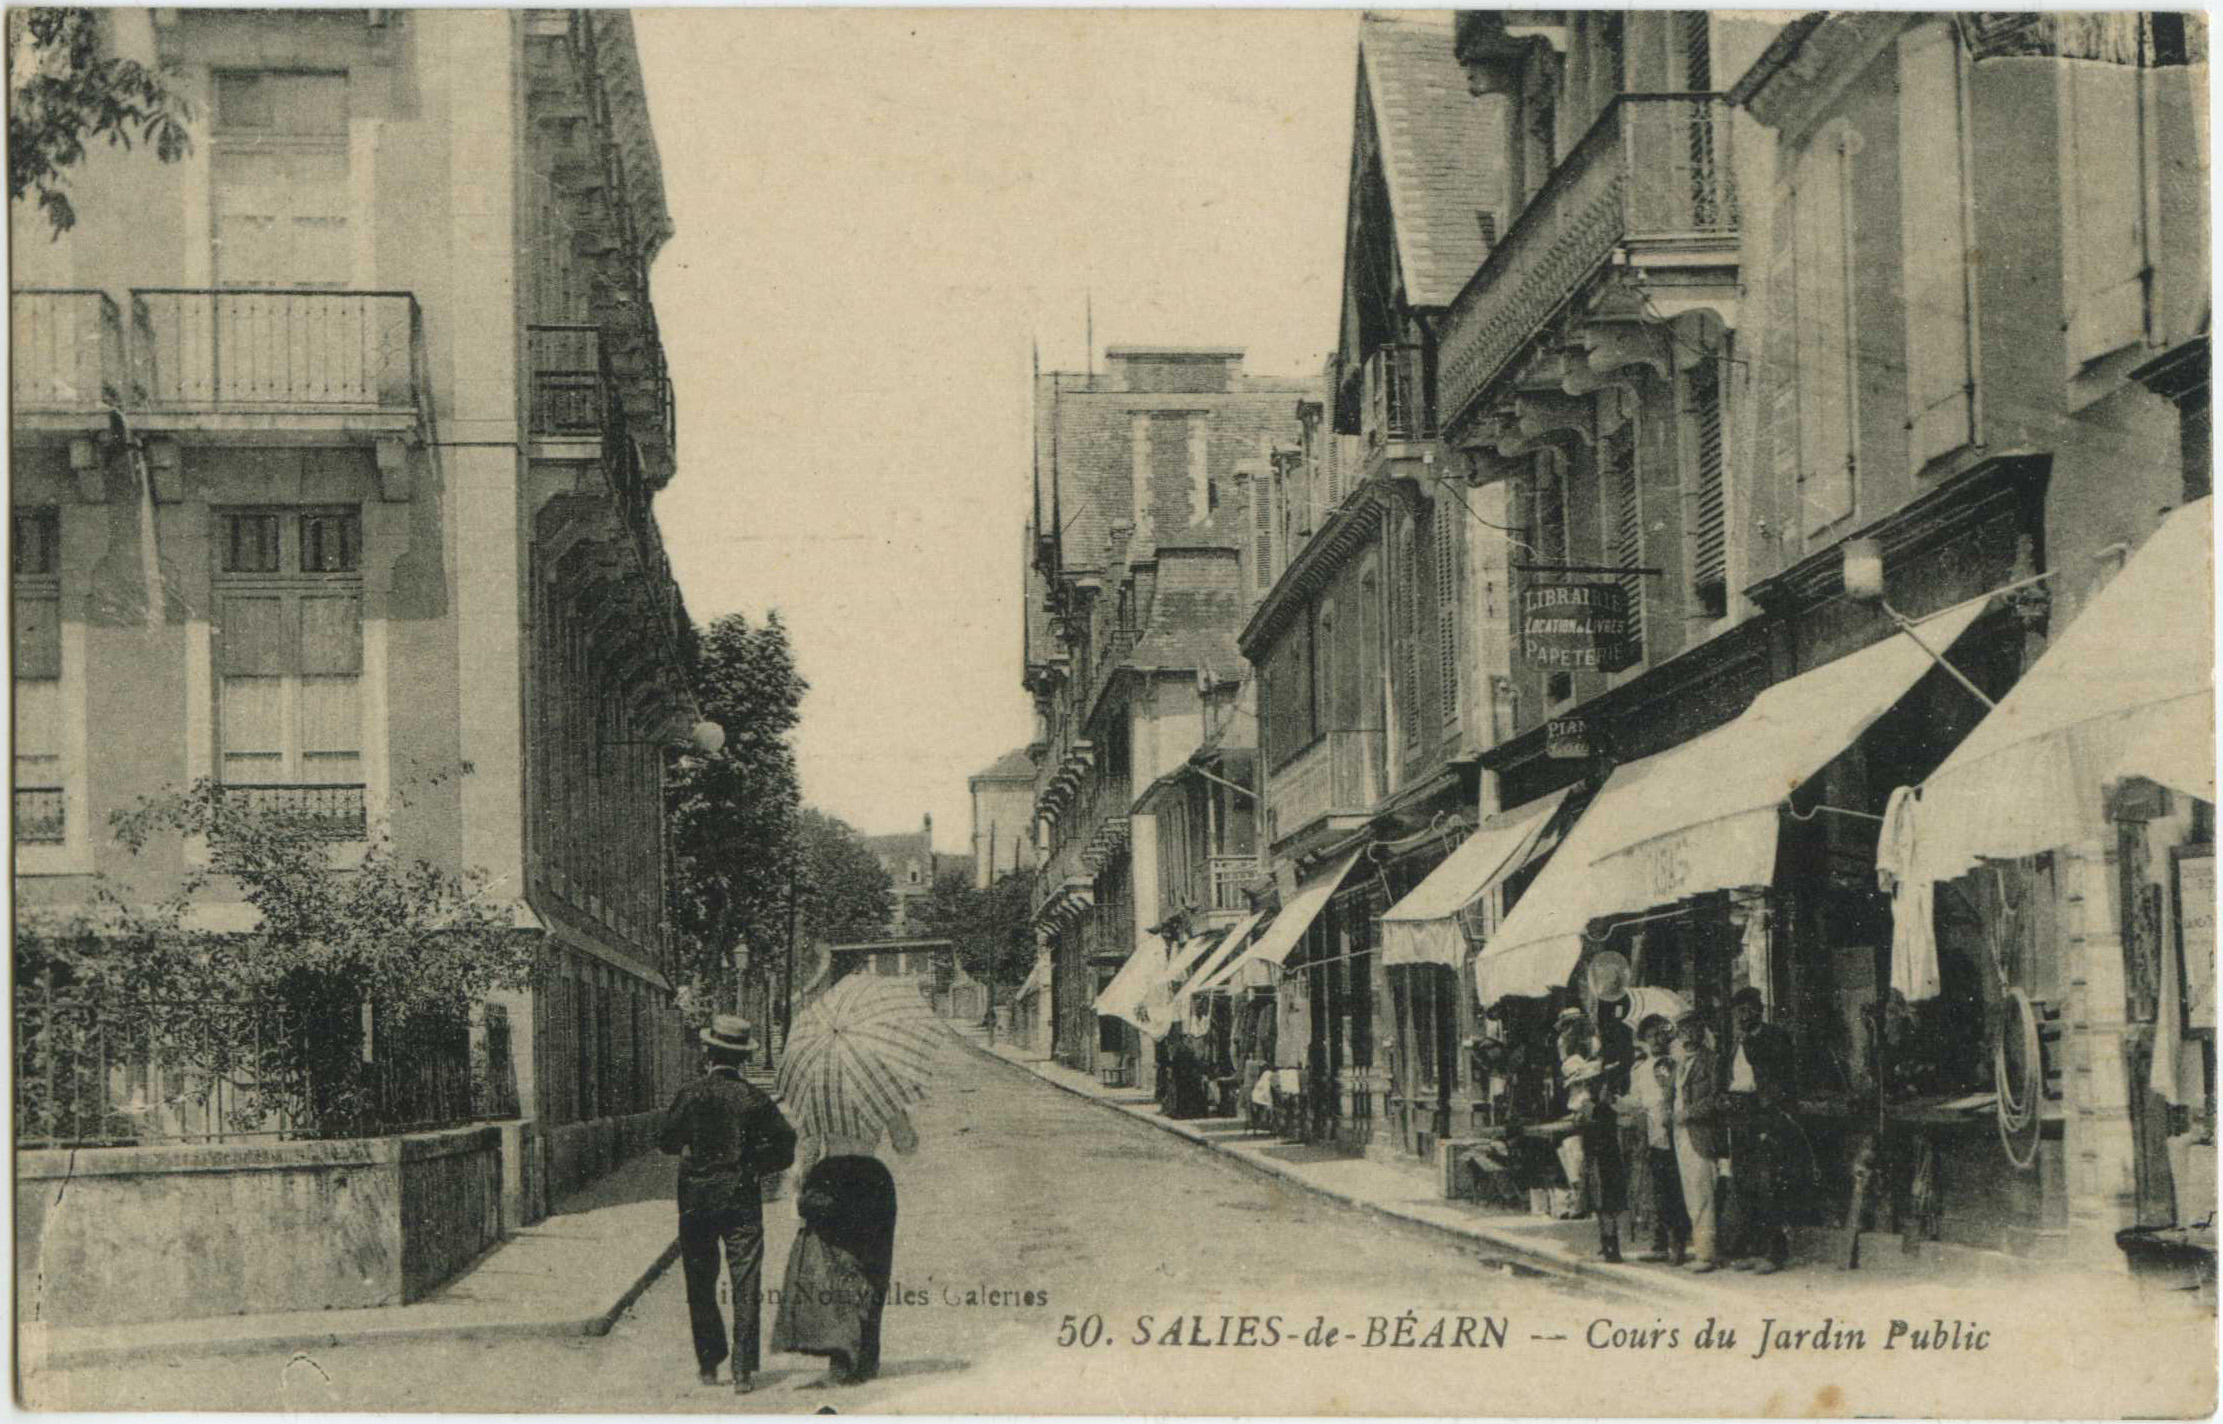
(1914, 969)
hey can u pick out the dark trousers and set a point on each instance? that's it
(1604, 1173)
(742, 1233)
(1756, 1165)
(1670, 1222)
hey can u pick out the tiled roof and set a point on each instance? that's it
(1441, 152)
(1194, 615)
(1011, 766)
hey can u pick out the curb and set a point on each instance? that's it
(66, 1357)
(1619, 1279)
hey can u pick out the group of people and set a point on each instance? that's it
(730, 1136)
(1717, 1130)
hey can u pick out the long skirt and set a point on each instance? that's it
(837, 1274)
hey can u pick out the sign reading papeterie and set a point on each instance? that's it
(1576, 627)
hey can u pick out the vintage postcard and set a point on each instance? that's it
(1116, 712)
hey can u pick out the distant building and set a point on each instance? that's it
(1003, 817)
(909, 859)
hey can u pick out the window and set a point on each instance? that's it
(1822, 273)
(1709, 554)
(2104, 206)
(1934, 245)
(1548, 488)
(289, 661)
(1694, 38)
(41, 784)
(279, 180)
(1625, 520)
(1445, 528)
(1262, 534)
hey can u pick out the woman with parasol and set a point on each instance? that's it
(856, 1062)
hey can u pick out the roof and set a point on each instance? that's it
(1442, 164)
(1013, 765)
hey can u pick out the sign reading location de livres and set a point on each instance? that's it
(1576, 627)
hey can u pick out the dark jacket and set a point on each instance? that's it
(1774, 1065)
(1700, 1105)
(733, 1136)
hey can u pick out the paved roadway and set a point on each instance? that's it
(1018, 1187)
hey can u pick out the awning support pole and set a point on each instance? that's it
(1906, 626)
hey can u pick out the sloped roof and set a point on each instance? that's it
(1011, 766)
(1441, 156)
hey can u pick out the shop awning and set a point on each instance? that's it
(1423, 928)
(2127, 689)
(1702, 816)
(1123, 997)
(1029, 985)
(1208, 974)
(1273, 946)
(1158, 1011)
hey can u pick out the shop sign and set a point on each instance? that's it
(1567, 739)
(1576, 627)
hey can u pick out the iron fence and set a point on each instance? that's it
(100, 1070)
(328, 812)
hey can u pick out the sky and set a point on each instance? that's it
(877, 213)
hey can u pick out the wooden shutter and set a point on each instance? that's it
(331, 634)
(1934, 244)
(1694, 37)
(1625, 516)
(1407, 586)
(38, 636)
(1709, 555)
(1445, 526)
(257, 635)
(2104, 190)
(1780, 350)
(1551, 509)
(1262, 540)
(1827, 341)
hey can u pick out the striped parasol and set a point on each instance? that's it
(858, 1058)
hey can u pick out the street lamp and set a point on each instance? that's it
(1863, 576)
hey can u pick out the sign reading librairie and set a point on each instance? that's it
(1576, 627)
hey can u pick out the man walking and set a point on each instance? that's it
(731, 1136)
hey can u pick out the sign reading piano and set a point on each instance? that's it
(1576, 627)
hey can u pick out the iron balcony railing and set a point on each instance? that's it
(41, 815)
(66, 348)
(1338, 775)
(1230, 874)
(328, 812)
(1653, 166)
(1397, 404)
(273, 349)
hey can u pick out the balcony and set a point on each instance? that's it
(66, 346)
(1653, 178)
(334, 813)
(274, 352)
(1396, 397)
(1230, 874)
(1337, 776)
(41, 815)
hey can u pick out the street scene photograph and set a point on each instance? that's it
(1183, 712)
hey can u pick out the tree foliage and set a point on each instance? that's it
(325, 1004)
(843, 892)
(992, 928)
(733, 811)
(64, 93)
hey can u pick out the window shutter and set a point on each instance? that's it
(1447, 531)
(1709, 554)
(1627, 523)
(1826, 338)
(1408, 629)
(2105, 189)
(38, 637)
(1698, 64)
(258, 635)
(1934, 244)
(331, 634)
(1551, 509)
(1262, 540)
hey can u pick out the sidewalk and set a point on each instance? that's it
(1408, 1194)
(573, 1273)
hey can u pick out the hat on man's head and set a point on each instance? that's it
(1570, 1016)
(1747, 995)
(1689, 1018)
(729, 1032)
